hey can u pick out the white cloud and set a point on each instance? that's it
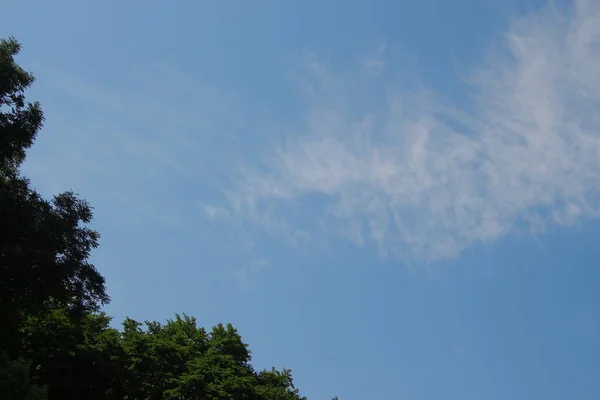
(215, 212)
(418, 176)
(245, 276)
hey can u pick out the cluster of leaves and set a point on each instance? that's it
(87, 359)
(54, 342)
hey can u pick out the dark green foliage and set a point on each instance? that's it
(19, 120)
(76, 358)
(276, 384)
(54, 342)
(85, 358)
(44, 245)
(15, 382)
(179, 360)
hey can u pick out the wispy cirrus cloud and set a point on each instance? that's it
(423, 177)
(131, 143)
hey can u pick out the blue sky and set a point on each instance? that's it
(395, 199)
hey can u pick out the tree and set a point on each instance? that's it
(44, 245)
(75, 358)
(15, 382)
(276, 384)
(20, 124)
(84, 358)
(54, 342)
(181, 361)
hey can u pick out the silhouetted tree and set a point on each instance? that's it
(44, 245)
(54, 342)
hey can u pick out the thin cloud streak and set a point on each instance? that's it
(131, 148)
(419, 177)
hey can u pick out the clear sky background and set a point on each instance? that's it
(396, 199)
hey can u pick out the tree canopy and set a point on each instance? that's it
(55, 343)
(44, 245)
